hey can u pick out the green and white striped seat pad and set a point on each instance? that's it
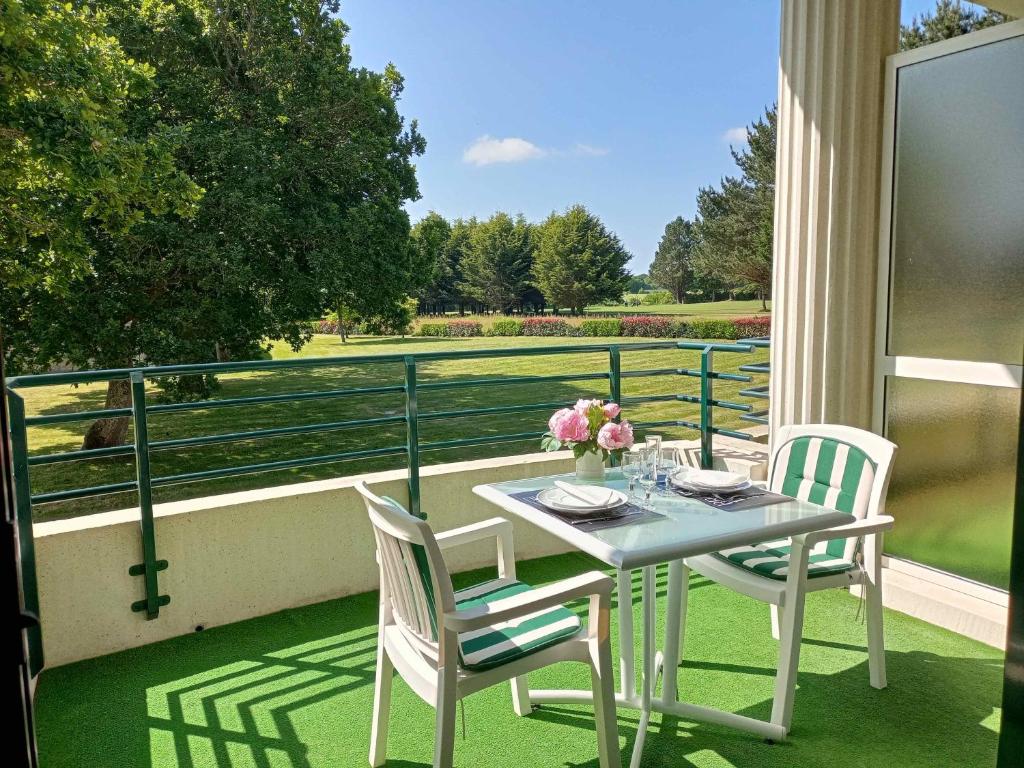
(510, 640)
(772, 560)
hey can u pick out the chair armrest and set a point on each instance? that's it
(589, 584)
(496, 527)
(876, 524)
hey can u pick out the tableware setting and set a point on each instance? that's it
(581, 500)
(709, 481)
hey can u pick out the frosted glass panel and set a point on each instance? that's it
(953, 480)
(958, 207)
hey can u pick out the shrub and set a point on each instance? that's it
(647, 326)
(507, 327)
(710, 329)
(752, 327)
(433, 329)
(633, 299)
(326, 325)
(657, 297)
(602, 327)
(547, 326)
(464, 329)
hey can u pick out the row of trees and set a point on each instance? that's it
(507, 264)
(728, 244)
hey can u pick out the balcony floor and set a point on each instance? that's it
(295, 688)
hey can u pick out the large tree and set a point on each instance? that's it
(496, 266)
(430, 236)
(735, 221)
(579, 261)
(306, 164)
(948, 19)
(671, 268)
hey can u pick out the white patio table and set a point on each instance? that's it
(686, 527)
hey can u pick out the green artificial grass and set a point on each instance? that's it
(294, 689)
(68, 436)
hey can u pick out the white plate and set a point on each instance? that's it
(560, 501)
(710, 480)
(687, 486)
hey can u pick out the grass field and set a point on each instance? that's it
(702, 309)
(68, 436)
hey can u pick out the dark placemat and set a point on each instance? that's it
(627, 514)
(731, 502)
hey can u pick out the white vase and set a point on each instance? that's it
(590, 467)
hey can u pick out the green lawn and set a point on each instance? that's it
(295, 689)
(68, 436)
(746, 308)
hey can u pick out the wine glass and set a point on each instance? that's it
(631, 466)
(648, 474)
(667, 464)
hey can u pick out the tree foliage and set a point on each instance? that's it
(578, 260)
(435, 262)
(496, 267)
(69, 160)
(948, 19)
(671, 268)
(735, 221)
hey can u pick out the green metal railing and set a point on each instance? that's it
(141, 447)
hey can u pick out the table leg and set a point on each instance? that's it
(627, 663)
(678, 575)
(648, 670)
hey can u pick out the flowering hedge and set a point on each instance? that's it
(637, 326)
(548, 326)
(751, 327)
(648, 326)
(464, 328)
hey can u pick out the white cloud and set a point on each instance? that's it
(735, 136)
(487, 150)
(589, 151)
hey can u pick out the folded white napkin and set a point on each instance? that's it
(590, 495)
(711, 478)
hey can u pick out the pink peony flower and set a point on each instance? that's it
(569, 425)
(582, 406)
(615, 436)
(611, 410)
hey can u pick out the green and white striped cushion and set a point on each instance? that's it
(510, 640)
(829, 473)
(772, 560)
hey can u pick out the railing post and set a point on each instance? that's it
(615, 382)
(707, 458)
(26, 543)
(149, 566)
(412, 434)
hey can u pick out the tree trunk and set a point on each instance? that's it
(764, 303)
(106, 433)
(342, 331)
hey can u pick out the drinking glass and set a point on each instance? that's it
(653, 442)
(667, 464)
(648, 474)
(631, 466)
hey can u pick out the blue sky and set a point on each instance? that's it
(531, 106)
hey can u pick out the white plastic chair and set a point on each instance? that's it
(839, 467)
(447, 644)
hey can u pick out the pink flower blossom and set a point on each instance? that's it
(569, 425)
(582, 406)
(614, 436)
(611, 410)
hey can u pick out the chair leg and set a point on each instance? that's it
(776, 620)
(444, 729)
(603, 684)
(521, 696)
(381, 708)
(876, 637)
(791, 630)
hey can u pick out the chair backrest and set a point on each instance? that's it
(835, 466)
(414, 581)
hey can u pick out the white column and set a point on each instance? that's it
(831, 77)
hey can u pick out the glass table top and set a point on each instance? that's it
(686, 528)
